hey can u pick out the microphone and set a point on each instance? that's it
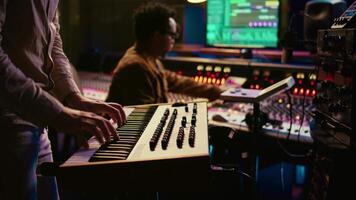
(288, 42)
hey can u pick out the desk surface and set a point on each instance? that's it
(269, 53)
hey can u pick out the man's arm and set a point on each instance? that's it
(19, 93)
(187, 85)
(87, 109)
(67, 90)
(62, 74)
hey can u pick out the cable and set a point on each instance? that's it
(231, 168)
(291, 20)
(337, 138)
(291, 154)
(303, 111)
(289, 132)
(290, 114)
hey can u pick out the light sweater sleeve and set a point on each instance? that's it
(62, 73)
(20, 94)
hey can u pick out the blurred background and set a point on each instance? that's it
(307, 141)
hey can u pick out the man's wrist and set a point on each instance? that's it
(72, 98)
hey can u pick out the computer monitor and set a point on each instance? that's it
(242, 23)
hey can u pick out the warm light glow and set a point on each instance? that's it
(208, 68)
(227, 69)
(196, 1)
(313, 77)
(200, 67)
(313, 93)
(217, 69)
(200, 79)
(301, 91)
(204, 80)
(307, 92)
(213, 81)
(222, 81)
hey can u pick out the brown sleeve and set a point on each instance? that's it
(132, 86)
(186, 85)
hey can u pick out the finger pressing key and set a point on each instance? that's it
(121, 112)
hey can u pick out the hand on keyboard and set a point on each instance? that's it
(114, 110)
(85, 117)
(79, 122)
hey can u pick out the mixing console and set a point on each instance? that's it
(96, 86)
(277, 110)
(277, 113)
(258, 75)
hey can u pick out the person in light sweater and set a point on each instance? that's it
(35, 83)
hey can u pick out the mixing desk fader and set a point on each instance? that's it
(284, 119)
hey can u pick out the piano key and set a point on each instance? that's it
(111, 154)
(106, 158)
(118, 148)
(129, 133)
(113, 151)
(133, 138)
(123, 139)
(130, 129)
(138, 127)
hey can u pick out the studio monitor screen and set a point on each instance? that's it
(242, 23)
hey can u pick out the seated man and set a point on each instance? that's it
(140, 77)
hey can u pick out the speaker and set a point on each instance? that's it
(320, 14)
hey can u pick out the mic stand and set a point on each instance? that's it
(255, 122)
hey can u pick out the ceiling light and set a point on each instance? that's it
(196, 1)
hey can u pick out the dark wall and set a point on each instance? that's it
(99, 26)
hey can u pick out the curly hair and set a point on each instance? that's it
(151, 17)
